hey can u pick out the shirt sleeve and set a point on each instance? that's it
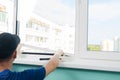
(34, 74)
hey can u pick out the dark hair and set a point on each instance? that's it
(8, 44)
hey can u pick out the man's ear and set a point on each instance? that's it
(15, 54)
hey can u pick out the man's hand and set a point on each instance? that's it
(53, 62)
(59, 52)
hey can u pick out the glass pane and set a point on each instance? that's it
(7, 15)
(47, 25)
(104, 25)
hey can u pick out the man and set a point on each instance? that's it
(8, 52)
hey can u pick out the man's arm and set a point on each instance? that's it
(53, 62)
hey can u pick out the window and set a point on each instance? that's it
(7, 16)
(76, 24)
(98, 22)
(47, 24)
(87, 28)
(103, 25)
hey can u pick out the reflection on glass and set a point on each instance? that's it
(104, 25)
(47, 24)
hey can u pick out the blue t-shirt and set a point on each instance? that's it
(30, 74)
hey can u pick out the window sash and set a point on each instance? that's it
(81, 36)
(44, 30)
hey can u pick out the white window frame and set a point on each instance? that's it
(81, 36)
(108, 61)
(15, 27)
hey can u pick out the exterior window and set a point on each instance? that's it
(50, 22)
(103, 25)
(7, 16)
(97, 33)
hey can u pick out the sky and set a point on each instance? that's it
(58, 11)
(70, 3)
(104, 17)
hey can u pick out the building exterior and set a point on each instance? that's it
(7, 16)
(3, 18)
(107, 45)
(117, 44)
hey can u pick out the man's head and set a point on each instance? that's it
(8, 44)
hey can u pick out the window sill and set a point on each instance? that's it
(77, 63)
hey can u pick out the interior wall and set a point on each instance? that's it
(73, 74)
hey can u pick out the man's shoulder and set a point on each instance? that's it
(4, 74)
(27, 74)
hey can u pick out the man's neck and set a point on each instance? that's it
(5, 65)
